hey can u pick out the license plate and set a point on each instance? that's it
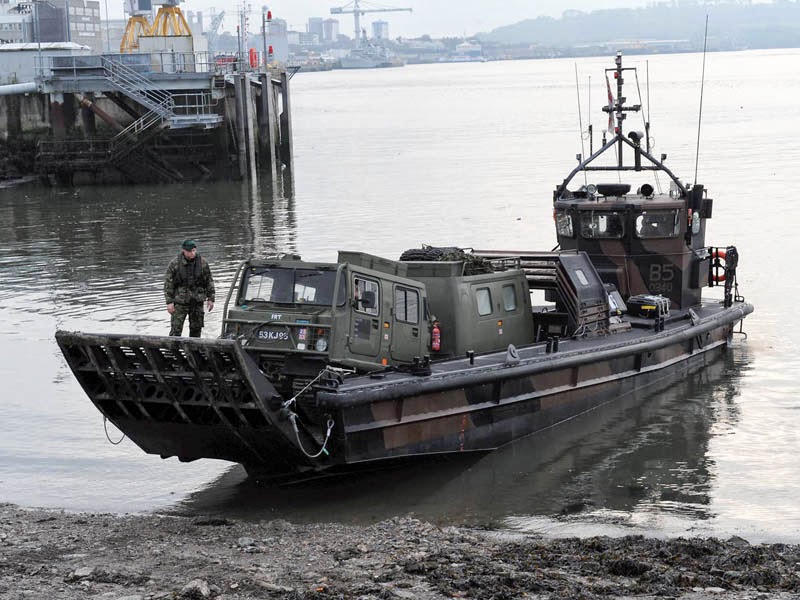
(273, 335)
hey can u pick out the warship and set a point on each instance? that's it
(324, 367)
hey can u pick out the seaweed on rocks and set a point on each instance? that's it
(48, 554)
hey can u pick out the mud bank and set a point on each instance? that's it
(45, 554)
(17, 159)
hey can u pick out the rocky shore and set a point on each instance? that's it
(47, 554)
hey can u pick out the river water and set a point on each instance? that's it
(386, 160)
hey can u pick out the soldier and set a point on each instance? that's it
(187, 284)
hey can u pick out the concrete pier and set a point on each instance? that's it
(158, 117)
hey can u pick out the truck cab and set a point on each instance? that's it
(295, 317)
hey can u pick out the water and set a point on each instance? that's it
(386, 160)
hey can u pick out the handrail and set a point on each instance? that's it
(143, 123)
(233, 287)
(138, 86)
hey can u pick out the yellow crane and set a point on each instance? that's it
(170, 20)
(138, 24)
(355, 9)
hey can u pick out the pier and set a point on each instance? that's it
(150, 117)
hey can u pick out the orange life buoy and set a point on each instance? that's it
(719, 254)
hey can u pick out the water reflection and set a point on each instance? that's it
(93, 259)
(103, 250)
(648, 452)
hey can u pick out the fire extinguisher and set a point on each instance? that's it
(436, 337)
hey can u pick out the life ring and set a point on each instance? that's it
(719, 255)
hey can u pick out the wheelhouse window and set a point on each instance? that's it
(658, 224)
(564, 224)
(290, 286)
(602, 225)
(406, 305)
(366, 295)
(509, 298)
(484, 298)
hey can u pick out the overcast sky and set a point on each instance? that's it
(435, 17)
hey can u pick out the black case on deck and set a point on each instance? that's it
(647, 306)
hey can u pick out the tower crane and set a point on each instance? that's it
(357, 12)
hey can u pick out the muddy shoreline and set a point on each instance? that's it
(52, 554)
(17, 158)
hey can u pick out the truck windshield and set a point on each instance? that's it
(290, 286)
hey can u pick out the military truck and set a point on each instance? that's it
(366, 313)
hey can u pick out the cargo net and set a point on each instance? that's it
(473, 265)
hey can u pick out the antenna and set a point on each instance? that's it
(700, 113)
(580, 118)
(589, 112)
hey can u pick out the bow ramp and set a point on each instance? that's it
(187, 397)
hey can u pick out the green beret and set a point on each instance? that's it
(188, 244)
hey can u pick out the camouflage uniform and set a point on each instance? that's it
(188, 284)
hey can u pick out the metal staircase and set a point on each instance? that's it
(135, 85)
(160, 102)
(129, 152)
(137, 151)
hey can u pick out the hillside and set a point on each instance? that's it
(731, 25)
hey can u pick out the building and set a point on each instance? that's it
(308, 39)
(278, 38)
(380, 30)
(195, 21)
(85, 27)
(13, 29)
(330, 30)
(315, 26)
(18, 61)
(24, 21)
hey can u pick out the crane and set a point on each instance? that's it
(137, 25)
(213, 30)
(357, 13)
(170, 20)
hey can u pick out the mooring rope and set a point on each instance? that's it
(293, 419)
(105, 428)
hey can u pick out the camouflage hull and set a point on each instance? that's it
(193, 398)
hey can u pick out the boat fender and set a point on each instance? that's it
(436, 337)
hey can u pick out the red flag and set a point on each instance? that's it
(610, 105)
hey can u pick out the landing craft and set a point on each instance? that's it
(323, 367)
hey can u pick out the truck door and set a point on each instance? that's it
(365, 320)
(409, 332)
